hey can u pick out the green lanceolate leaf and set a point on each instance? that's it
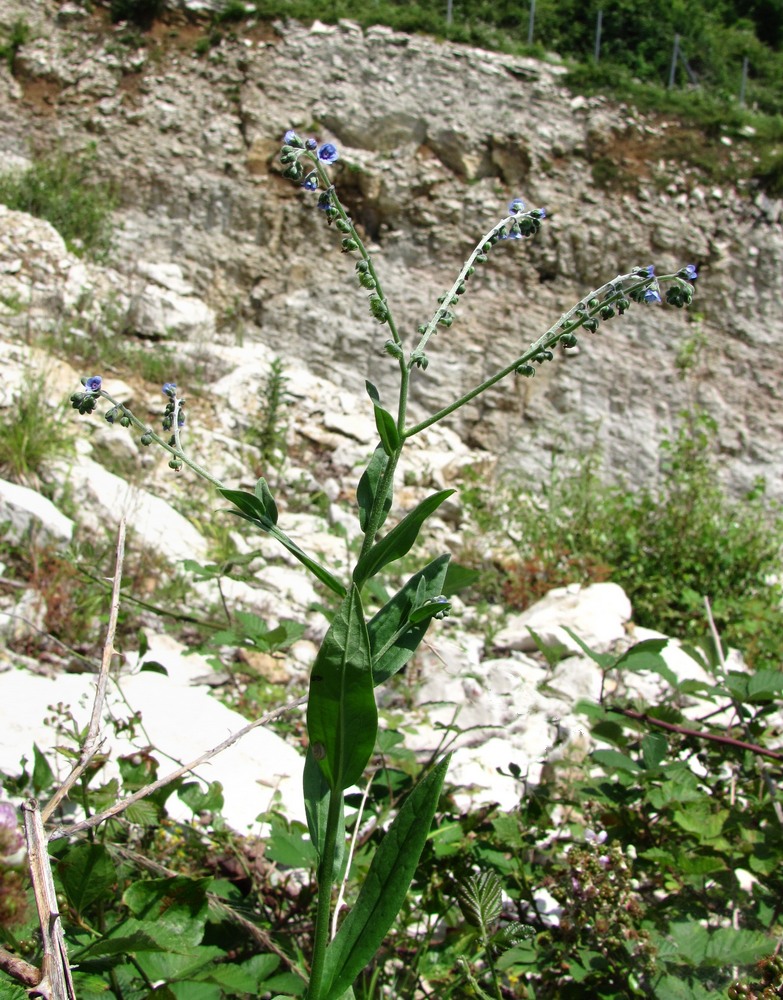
(385, 886)
(262, 511)
(368, 487)
(316, 798)
(399, 540)
(392, 639)
(384, 422)
(342, 719)
(263, 493)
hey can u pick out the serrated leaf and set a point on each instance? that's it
(655, 746)
(614, 760)
(142, 813)
(646, 656)
(384, 888)
(399, 540)
(177, 906)
(480, 898)
(87, 874)
(43, 776)
(342, 718)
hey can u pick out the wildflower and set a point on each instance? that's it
(516, 207)
(289, 137)
(652, 295)
(328, 153)
(688, 272)
(311, 144)
(170, 389)
(311, 181)
(93, 383)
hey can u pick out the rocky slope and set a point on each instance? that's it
(220, 265)
(434, 138)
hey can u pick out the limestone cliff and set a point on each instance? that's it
(434, 138)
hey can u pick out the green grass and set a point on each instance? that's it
(66, 190)
(31, 434)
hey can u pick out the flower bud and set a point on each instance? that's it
(349, 245)
(175, 464)
(146, 439)
(528, 371)
(591, 325)
(568, 340)
(343, 226)
(379, 309)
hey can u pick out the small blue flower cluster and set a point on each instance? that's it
(85, 402)
(525, 224)
(294, 148)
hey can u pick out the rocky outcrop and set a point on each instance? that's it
(434, 138)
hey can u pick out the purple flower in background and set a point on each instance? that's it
(311, 182)
(170, 389)
(93, 383)
(328, 153)
(517, 206)
(289, 137)
(689, 272)
(311, 144)
(652, 295)
(11, 839)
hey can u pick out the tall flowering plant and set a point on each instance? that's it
(360, 652)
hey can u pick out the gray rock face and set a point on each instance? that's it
(434, 140)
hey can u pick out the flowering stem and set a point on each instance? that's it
(175, 450)
(451, 296)
(584, 310)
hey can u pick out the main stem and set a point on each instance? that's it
(325, 881)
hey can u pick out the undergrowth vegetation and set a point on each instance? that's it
(669, 545)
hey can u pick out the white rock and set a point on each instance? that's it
(159, 312)
(156, 524)
(597, 614)
(24, 509)
(181, 722)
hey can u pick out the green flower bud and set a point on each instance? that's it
(379, 309)
(568, 340)
(146, 439)
(393, 349)
(362, 266)
(606, 312)
(591, 325)
(527, 370)
(461, 289)
(349, 245)
(366, 280)
(446, 319)
(343, 226)
(481, 258)
(175, 464)
(622, 305)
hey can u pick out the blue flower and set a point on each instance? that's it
(540, 213)
(311, 144)
(649, 271)
(689, 272)
(516, 207)
(328, 153)
(652, 295)
(289, 137)
(93, 383)
(170, 389)
(311, 181)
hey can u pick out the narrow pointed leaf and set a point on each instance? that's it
(393, 644)
(368, 487)
(384, 888)
(264, 494)
(258, 511)
(342, 719)
(399, 540)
